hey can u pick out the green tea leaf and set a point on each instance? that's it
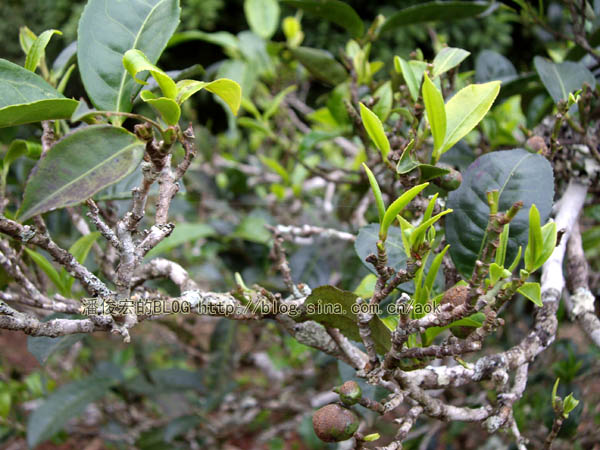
(42, 347)
(80, 165)
(262, 16)
(466, 109)
(334, 11)
(432, 273)
(436, 114)
(447, 59)
(549, 236)
(560, 79)
(37, 50)
(396, 208)
(376, 192)
(108, 29)
(80, 250)
(434, 11)
(228, 90)
(414, 85)
(222, 38)
(569, 404)
(502, 246)
(26, 39)
(168, 108)
(534, 243)
(375, 130)
(342, 317)
(383, 107)
(491, 65)
(276, 102)
(25, 97)
(518, 175)
(532, 291)
(62, 405)
(321, 65)
(135, 62)
(48, 269)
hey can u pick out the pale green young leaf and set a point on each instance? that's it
(466, 109)
(549, 236)
(65, 79)
(416, 238)
(502, 245)
(396, 207)
(135, 62)
(5, 404)
(448, 58)
(436, 114)
(569, 404)
(168, 108)
(375, 130)
(434, 269)
(406, 230)
(383, 107)
(497, 272)
(430, 207)
(48, 269)
(26, 39)
(533, 292)
(276, 102)
(80, 250)
(276, 167)
(403, 67)
(516, 261)
(535, 241)
(554, 390)
(262, 16)
(228, 90)
(38, 49)
(376, 192)
(251, 108)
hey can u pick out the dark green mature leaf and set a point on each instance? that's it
(434, 11)
(43, 347)
(560, 79)
(334, 11)
(62, 405)
(108, 29)
(25, 97)
(518, 175)
(80, 165)
(366, 243)
(491, 65)
(343, 318)
(320, 64)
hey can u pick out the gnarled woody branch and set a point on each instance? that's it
(29, 235)
(581, 302)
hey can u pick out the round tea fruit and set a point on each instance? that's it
(334, 423)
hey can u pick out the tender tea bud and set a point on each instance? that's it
(334, 423)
